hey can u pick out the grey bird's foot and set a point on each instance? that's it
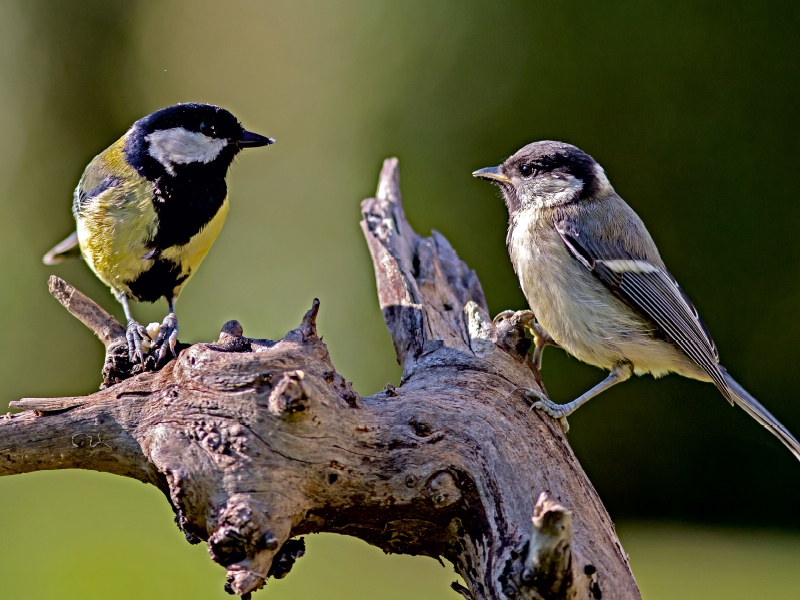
(524, 317)
(541, 402)
(135, 334)
(167, 336)
(541, 338)
(619, 372)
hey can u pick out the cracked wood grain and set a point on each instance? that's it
(257, 442)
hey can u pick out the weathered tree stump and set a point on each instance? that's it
(256, 442)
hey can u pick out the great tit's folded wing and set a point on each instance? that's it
(94, 183)
(65, 250)
(650, 291)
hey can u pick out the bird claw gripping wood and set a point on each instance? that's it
(167, 337)
(526, 319)
(135, 334)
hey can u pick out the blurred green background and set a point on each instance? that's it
(691, 107)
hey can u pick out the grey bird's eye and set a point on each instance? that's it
(526, 170)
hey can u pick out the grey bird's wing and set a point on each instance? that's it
(650, 291)
(65, 250)
(655, 295)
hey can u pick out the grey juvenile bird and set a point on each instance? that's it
(595, 281)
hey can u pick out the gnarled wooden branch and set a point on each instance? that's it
(257, 442)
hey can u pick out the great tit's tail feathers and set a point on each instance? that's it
(754, 408)
(66, 250)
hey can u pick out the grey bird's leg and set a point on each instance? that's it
(134, 332)
(619, 373)
(541, 338)
(168, 332)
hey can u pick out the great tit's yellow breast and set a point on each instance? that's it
(115, 226)
(190, 255)
(139, 240)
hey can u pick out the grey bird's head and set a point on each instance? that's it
(545, 174)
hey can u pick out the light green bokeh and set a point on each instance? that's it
(90, 536)
(673, 561)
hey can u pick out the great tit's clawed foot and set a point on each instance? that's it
(167, 336)
(540, 401)
(138, 341)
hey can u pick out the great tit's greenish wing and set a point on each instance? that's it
(65, 250)
(651, 291)
(95, 181)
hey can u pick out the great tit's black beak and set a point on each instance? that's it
(491, 174)
(253, 140)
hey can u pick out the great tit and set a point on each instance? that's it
(149, 207)
(596, 283)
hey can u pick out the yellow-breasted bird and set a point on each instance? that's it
(149, 207)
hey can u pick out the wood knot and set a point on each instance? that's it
(289, 396)
(443, 490)
(420, 427)
(227, 546)
(231, 328)
(231, 339)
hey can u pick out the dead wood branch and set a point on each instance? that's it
(257, 442)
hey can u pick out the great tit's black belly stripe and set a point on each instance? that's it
(185, 205)
(157, 282)
(185, 200)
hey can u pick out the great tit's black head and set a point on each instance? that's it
(547, 174)
(188, 137)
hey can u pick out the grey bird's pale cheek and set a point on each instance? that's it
(549, 190)
(526, 196)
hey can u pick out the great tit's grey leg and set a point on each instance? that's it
(134, 332)
(619, 373)
(168, 332)
(541, 338)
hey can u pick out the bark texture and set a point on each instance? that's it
(256, 442)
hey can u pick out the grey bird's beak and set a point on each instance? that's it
(491, 174)
(253, 140)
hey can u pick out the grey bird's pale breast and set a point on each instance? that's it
(573, 305)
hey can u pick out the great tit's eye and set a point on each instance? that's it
(526, 170)
(208, 130)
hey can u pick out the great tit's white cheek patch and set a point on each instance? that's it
(179, 146)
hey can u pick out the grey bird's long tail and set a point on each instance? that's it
(762, 415)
